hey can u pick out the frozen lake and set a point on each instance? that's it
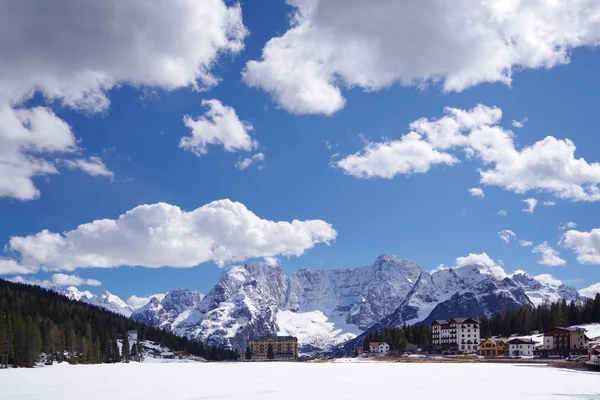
(297, 381)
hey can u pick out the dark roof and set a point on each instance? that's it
(569, 329)
(276, 338)
(456, 320)
(521, 341)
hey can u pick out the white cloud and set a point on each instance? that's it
(9, 267)
(335, 44)
(136, 302)
(567, 225)
(161, 234)
(525, 243)
(477, 192)
(408, 155)
(220, 125)
(92, 166)
(25, 134)
(550, 256)
(485, 260)
(472, 258)
(548, 165)
(590, 291)
(502, 213)
(96, 46)
(586, 245)
(507, 235)
(272, 260)
(73, 280)
(46, 284)
(519, 124)
(531, 203)
(549, 280)
(256, 159)
(57, 280)
(549, 203)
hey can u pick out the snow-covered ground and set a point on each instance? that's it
(297, 381)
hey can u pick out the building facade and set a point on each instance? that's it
(284, 347)
(521, 348)
(494, 347)
(379, 347)
(565, 341)
(460, 335)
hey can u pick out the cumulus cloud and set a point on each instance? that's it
(483, 259)
(531, 203)
(549, 203)
(336, 44)
(73, 280)
(549, 280)
(136, 302)
(567, 225)
(246, 162)
(26, 135)
(586, 245)
(550, 256)
(408, 155)
(57, 280)
(548, 165)
(507, 235)
(477, 192)
(502, 213)
(525, 243)
(10, 267)
(220, 125)
(158, 235)
(519, 124)
(93, 166)
(95, 47)
(590, 291)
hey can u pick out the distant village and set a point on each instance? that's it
(455, 337)
(462, 336)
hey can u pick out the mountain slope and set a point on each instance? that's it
(325, 308)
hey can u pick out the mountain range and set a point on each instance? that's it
(329, 307)
(325, 308)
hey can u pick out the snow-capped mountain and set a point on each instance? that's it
(544, 288)
(105, 300)
(324, 308)
(163, 313)
(321, 307)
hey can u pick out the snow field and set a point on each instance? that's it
(295, 381)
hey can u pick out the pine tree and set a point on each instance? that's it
(116, 354)
(248, 352)
(33, 343)
(4, 341)
(125, 351)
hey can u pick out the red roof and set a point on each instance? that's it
(375, 344)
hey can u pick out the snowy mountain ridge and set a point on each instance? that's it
(325, 308)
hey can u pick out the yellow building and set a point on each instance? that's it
(284, 347)
(494, 347)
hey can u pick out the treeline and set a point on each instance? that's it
(399, 338)
(527, 319)
(34, 320)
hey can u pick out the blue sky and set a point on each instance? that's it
(430, 217)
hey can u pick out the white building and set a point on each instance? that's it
(133, 336)
(521, 348)
(456, 335)
(379, 347)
